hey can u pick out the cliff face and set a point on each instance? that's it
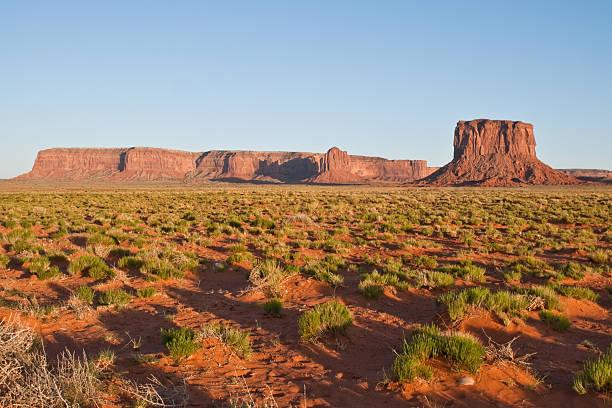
(495, 153)
(484, 137)
(142, 163)
(75, 164)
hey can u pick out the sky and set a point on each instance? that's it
(381, 77)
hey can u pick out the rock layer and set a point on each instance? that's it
(495, 153)
(145, 164)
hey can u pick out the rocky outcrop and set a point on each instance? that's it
(495, 153)
(147, 164)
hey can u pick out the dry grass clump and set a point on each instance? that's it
(27, 379)
(268, 277)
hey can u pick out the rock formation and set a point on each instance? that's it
(146, 164)
(495, 153)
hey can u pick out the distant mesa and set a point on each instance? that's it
(495, 153)
(486, 153)
(596, 175)
(150, 164)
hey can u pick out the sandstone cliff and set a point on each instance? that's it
(495, 153)
(146, 164)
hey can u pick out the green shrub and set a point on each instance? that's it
(557, 321)
(371, 290)
(180, 343)
(595, 375)
(506, 302)
(20, 234)
(273, 307)
(330, 317)
(573, 270)
(147, 292)
(100, 239)
(94, 266)
(466, 270)
(576, 292)
(458, 301)
(599, 256)
(239, 341)
(85, 294)
(547, 293)
(161, 269)
(4, 260)
(333, 279)
(434, 279)
(117, 297)
(130, 262)
(50, 273)
(427, 342)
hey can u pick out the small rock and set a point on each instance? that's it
(465, 381)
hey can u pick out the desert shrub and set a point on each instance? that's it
(20, 234)
(532, 266)
(273, 307)
(513, 276)
(371, 289)
(372, 285)
(506, 302)
(330, 317)
(595, 375)
(116, 297)
(423, 261)
(146, 292)
(576, 292)
(85, 294)
(94, 266)
(466, 270)
(548, 295)
(130, 262)
(57, 256)
(262, 222)
(599, 256)
(240, 257)
(427, 342)
(434, 279)
(458, 301)
(557, 321)
(21, 247)
(573, 270)
(237, 340)
(333, 279)
(4, 260)
(180, 343)
(100, 239)
(27, 379)
(160, 269)
(49, 273)
(268, 277)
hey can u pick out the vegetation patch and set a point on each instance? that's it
(331, 317)
(427, 342)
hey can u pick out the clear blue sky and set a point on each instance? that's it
(379, 77)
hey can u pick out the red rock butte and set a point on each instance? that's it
(495, 153)
(147, 164)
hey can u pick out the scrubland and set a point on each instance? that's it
(307, 297)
